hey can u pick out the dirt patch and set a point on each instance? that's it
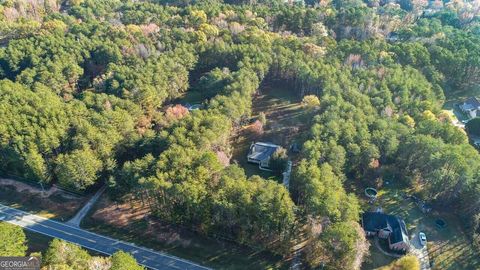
(23, 187)
(132, 222)
(51, 203)
(135, 216)
(119, 214)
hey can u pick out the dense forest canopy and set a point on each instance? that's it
(90, 92)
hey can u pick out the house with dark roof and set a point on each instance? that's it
(388, 227)
(260, 153)
(471, 107)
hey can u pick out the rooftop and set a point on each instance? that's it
(374, 221)
(261, 151)
(471, 103)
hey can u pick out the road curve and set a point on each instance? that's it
(106, 245)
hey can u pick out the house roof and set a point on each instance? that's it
(262, 151)
(471, 103)
(399, 233)
(375, 221)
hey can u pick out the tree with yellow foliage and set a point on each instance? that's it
(409, 262)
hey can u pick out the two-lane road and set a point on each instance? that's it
(106, 245)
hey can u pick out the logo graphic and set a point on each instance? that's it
(19, 263)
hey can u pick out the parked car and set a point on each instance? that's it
(195, 107)
(423, 238)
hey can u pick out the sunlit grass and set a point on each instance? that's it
(449, 248)
(35, 204)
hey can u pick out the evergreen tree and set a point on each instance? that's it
(13, 241)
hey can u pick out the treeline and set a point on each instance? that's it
(61, 254)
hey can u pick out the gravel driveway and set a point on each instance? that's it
(420, 251)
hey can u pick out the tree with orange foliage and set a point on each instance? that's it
(176, 112)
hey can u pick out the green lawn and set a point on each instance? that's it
(191, 97)
(376, 258)
(458, 96)
(449, 248)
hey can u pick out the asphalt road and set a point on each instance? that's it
(147, 257)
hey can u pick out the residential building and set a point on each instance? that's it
(471, 107)
(388, 227)
(260, 153)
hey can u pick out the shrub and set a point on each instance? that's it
(311, 101)
(262, 118)
(409, 262)
(278, 162)
(257, 128)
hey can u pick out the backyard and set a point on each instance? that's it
(455, 98)
(286, 121)
(449, 247)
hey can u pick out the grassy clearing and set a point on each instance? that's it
(449, 248)
(376, 258)
(456, 98)
(130, 222)
(453, 97)
(191, 97)
(286, 117)
(286, 122)
(56, 206)
(453, 251)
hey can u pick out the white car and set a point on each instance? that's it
(195, 107)
(422, 238)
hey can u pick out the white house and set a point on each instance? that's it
(260, 153)
(471, 107)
